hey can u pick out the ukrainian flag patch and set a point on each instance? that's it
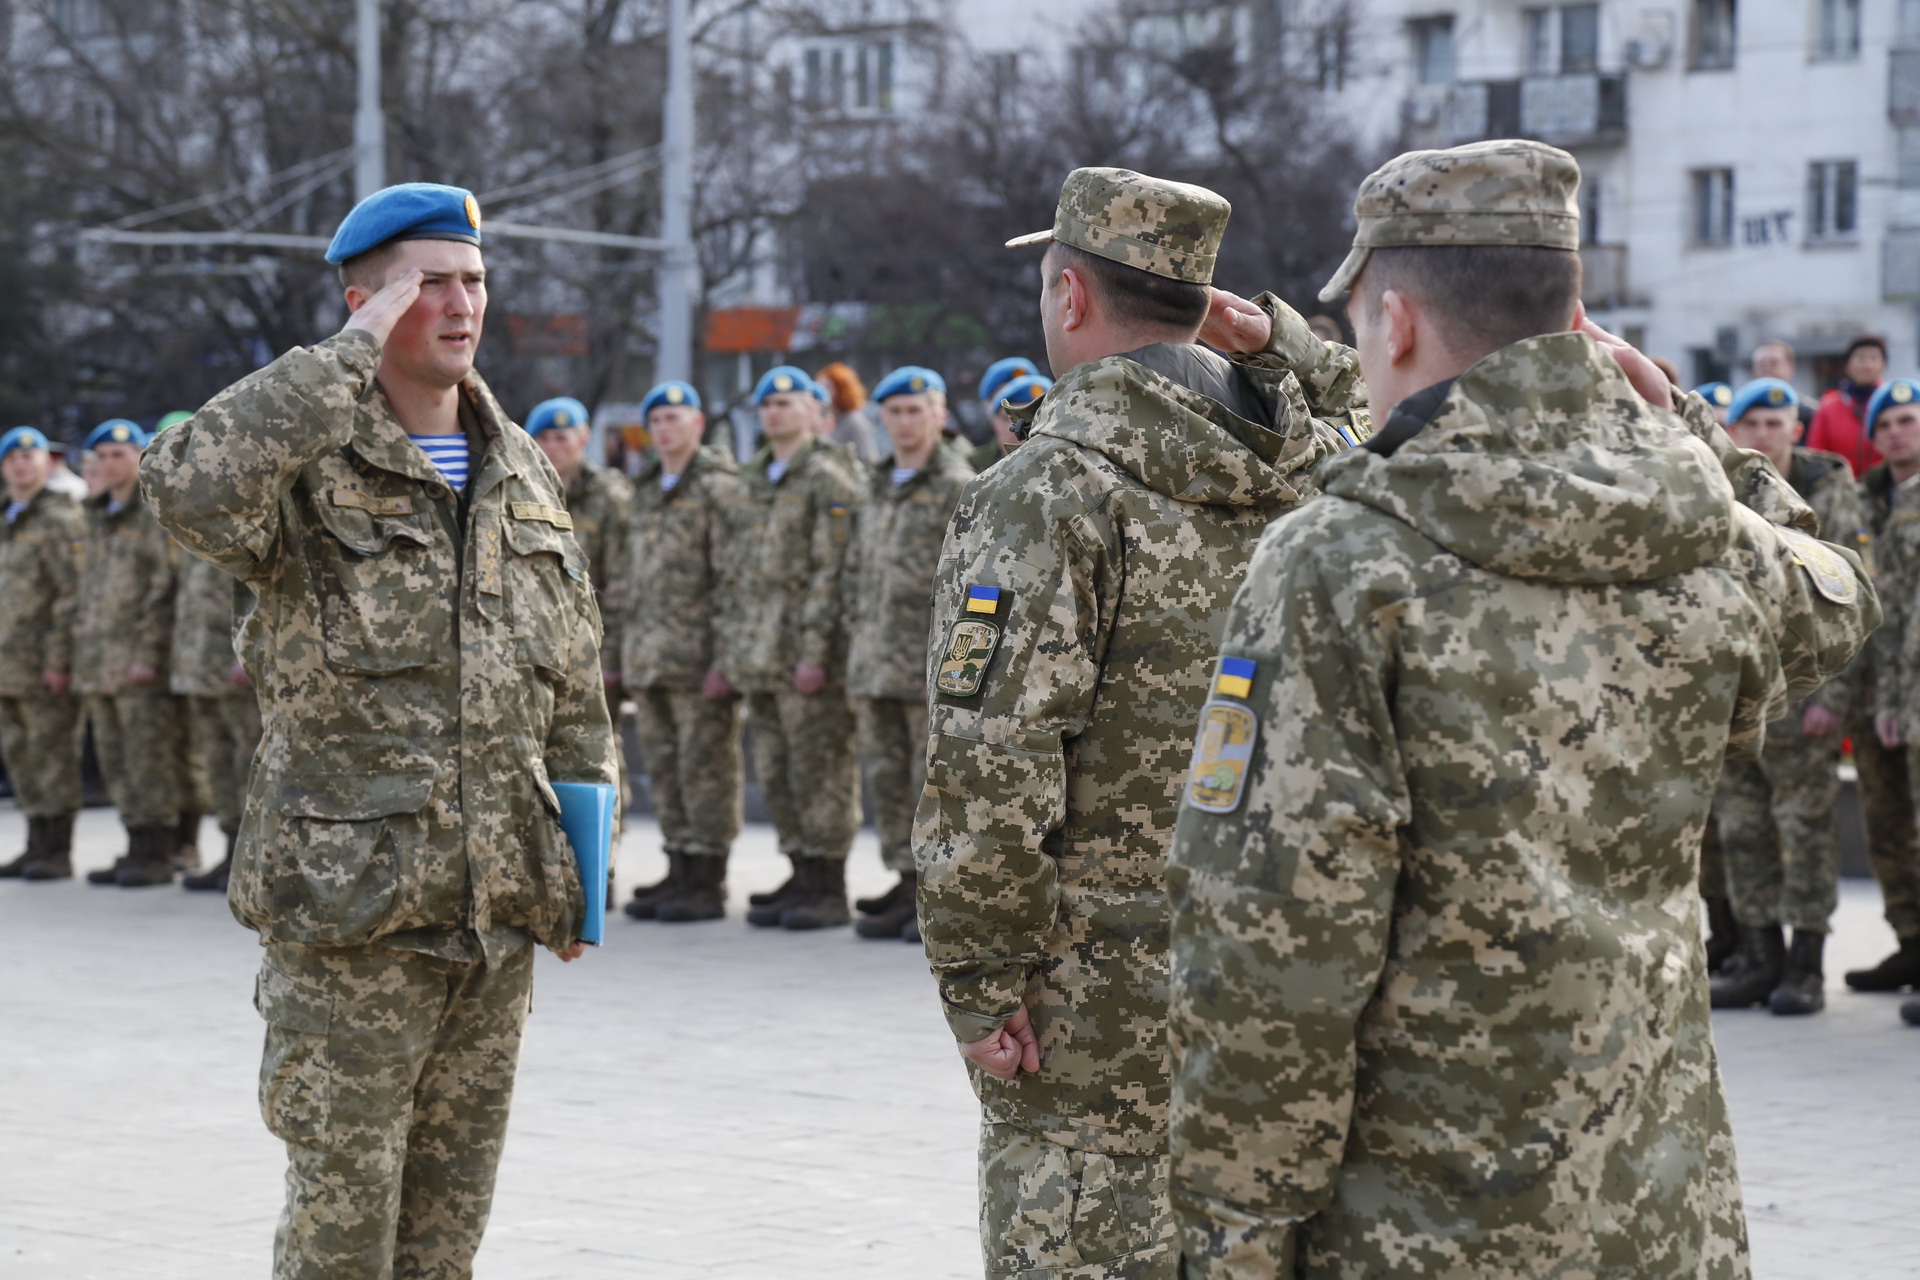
(1235, 679)
(983, 599)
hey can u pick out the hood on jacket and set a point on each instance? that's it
(1175, 440)
(1542, 461)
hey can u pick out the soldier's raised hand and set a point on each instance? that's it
(1641, 371)
(1234, 325)
(383, 309)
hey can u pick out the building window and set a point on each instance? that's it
(1433, 49)
(843, 75)
(1579, 39)
(1836, 29)
(1003, 76)
(1712, 220)
(1833, 200)
(1330, 54)
(1712, 35)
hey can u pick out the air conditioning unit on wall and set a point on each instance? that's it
(1650, 47)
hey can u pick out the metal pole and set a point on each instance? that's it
(369, 122)
(678, 263)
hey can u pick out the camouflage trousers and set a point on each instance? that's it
(388, 1075)
(1049, 1212)
(1887, 792)
(1713, 862)
(223, 732)
(1776, 819)
(40, 743)
(893, 747)
(803, 750)
(690, 748)
(141, 746)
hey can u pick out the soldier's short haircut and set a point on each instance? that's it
(369, 269)
(1136, 295)
(1483, 297)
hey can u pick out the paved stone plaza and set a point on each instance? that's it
(708, 1100)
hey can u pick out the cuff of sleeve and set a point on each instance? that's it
(968, 1026)
(978, 1001)
(356, 348)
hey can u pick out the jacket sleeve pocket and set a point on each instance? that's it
(296, 1069)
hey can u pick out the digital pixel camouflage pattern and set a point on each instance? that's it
(416, 695)
(388, 1075)
(691, 749)
(1886, 790)
(1775, 812)
(1438, 993)
(597, 500)
(1048, 1210)
(893, 751)
(221, 719)
(140, 740)
(39, 581)
(125, 609)
(1170, 229)
(805, 757)
(678, 561)
(895, 550)
(1112, 538)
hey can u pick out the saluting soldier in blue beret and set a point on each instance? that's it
(426, 650)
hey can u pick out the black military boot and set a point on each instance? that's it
(703, 896)
(824, 905)
(111, 875)
(1901, 969)
(1803, 988)
(18, 867)
(890, 922)
(1763, 959)
(186, 841)
(150, 862)
(213, 880)
(1910, 1012)
(910, 932)
(56, 850)
(1723, 933)
(766, 913)
(647, 898)
(886, 901)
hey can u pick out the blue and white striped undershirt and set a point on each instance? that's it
(448, 454)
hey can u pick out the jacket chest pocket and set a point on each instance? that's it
(385, 586)
(538, 575)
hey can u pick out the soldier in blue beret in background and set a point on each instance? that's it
(1718, 396)
(426, 651)
(1018, 393)
(1000, 375)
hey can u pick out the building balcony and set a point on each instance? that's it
(1567, 111)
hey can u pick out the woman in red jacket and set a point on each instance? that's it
(1837, 423)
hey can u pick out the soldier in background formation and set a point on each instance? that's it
(121, 643)
(788, 653)
(222, 715)
(993, 382)
(1776, 813)
(895, 550)
(675, 634)
(40, 731)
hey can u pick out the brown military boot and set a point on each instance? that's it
(18, 867)
(646, 899)
(1763, 960)
(823, 905)
(150, 862)
(56, 850)
(898, 914)
(213, 880)
(186, 852)
(1901, 969)
(1723, 933)
(1803, 988)
(703, 896)
(764, 909)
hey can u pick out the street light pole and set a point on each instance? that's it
(678, 263)
(369, 122)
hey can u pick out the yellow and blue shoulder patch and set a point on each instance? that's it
(1223, 747)
(836, 508)
(1355, 427)
(971, 642)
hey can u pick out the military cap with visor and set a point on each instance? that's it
(409, 211)
(1164, 228)
(1506, 192)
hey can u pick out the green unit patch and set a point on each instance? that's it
(1222, 754)
(963, 664)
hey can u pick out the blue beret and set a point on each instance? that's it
(116, 431)
(21, 438)
(670, 393)
(561, 411)
(781, 378)
(1899, 391)
(1718, 394)
(1001, 372)
(1761, 393)
(1022, 392)
(410, 211)
(909, 380)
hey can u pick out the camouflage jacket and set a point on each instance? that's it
(597, 500)
(204, 615)
(125, 613)
(676, 542)
(1438, 994)
(1079, 598)
(790, 547)
(39, 581)
(1826, 483)
(1893, 517)
(982, 456)
(897, 534)
(425, 661)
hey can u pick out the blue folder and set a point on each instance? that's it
(586, 815)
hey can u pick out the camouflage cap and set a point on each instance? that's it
(1508, 191)
(1171, 229)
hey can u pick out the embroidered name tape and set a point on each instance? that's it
(541, 511)
(358, 501)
